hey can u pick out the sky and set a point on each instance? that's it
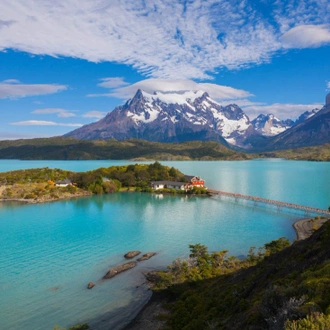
(64, 64)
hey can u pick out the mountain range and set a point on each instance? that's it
(194, 115)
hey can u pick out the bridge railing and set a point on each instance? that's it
(270, 201)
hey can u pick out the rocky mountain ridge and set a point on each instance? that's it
(186, 116)
(171, 117)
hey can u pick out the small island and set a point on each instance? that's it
(46, 184)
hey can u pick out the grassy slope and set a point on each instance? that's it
(316, 153)
(67, 148)
(289, 284)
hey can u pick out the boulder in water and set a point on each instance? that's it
(131, 254)
(119, 269)
(147, 256)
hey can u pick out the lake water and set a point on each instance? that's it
(49, 252)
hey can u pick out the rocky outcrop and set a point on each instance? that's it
(131, 254)
(90, 285)
(147, 256)
(119, 269)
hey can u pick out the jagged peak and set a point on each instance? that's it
(170, 97)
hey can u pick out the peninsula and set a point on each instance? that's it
(45, 184)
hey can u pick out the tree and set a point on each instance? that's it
(276, 245)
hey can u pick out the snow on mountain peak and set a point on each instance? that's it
(173, 97)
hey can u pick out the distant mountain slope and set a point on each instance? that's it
(313, 131)
(172, 117)
(69, 148)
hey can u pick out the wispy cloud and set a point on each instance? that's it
(44, 123)
(280, 110)
(12, 88)
(163, 38)
(113, 82)
(11, 81)
(178, 85)
(16, 136)
(95, 114)
(305, 36)
(61, 113)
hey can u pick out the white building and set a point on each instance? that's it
(170, 185)
(63, 183)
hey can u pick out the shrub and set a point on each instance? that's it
(314, 321)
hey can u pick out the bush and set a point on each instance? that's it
(315, 321)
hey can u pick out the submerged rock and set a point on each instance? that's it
(119, 269)
(147, 256)
(90, 285)
(131, 254)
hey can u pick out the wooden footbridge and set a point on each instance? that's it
(255, 199)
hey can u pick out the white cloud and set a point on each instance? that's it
(160, 38)
(16, 136)
(95, 114)
(11, 81)
(44, 123)
(13, 89)
(280, 110)
(328, 85)
(113, 82)
(306, 36)
(62, 113)
(179, 85)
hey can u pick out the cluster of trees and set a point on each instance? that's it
(111, 179)
(202, 264)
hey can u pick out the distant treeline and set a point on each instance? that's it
(68, 148)
(61, 148)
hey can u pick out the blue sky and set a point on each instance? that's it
(67, 63)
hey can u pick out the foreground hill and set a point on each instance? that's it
(68, 148)
(288, 289)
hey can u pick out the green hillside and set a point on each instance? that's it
(68, 148)
(276, 287)
(315, 153)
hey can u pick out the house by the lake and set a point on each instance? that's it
(195, 181)
(63, 183)
(192, 181)
(169, 185)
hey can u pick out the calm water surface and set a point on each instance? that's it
(49, 252)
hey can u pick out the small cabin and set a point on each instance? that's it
(195, 181)
(169, 185)
(63, 183)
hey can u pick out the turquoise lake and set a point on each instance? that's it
(49, 252)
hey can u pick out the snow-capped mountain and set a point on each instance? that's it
(314, 130)
(171, 117)
(269, 125)
(306, 115)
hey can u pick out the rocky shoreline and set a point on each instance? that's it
(304, 228)
(48, 200)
